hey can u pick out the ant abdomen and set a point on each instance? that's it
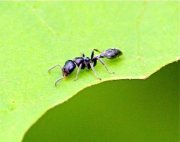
(111, 53)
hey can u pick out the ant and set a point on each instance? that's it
(86, 62)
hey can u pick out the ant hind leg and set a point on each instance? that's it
(92, 53)
(103, 63)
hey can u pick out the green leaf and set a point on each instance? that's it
(141, 111)
(36, 35)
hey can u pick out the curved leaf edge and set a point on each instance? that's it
(143, 77)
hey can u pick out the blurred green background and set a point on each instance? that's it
(124, 110)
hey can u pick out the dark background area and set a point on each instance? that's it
(124, 110)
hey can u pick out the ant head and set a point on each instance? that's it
(64, 72)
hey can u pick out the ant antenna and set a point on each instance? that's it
(57, 81)
(49, 70)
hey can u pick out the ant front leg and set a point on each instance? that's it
(103, 63)
(78, 70)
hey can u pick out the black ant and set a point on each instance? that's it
(86, 62)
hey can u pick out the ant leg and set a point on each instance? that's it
(103, 63)
(82, 54)
(49, 70)
(79, 68)
(97, 50)
(57, 81)
(92, 53)
(94, 71)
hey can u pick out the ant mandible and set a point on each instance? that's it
(86, 62)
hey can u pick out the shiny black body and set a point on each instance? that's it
(68, 67)
(110, 53)
(84, 62)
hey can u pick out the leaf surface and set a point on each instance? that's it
(37, 35)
